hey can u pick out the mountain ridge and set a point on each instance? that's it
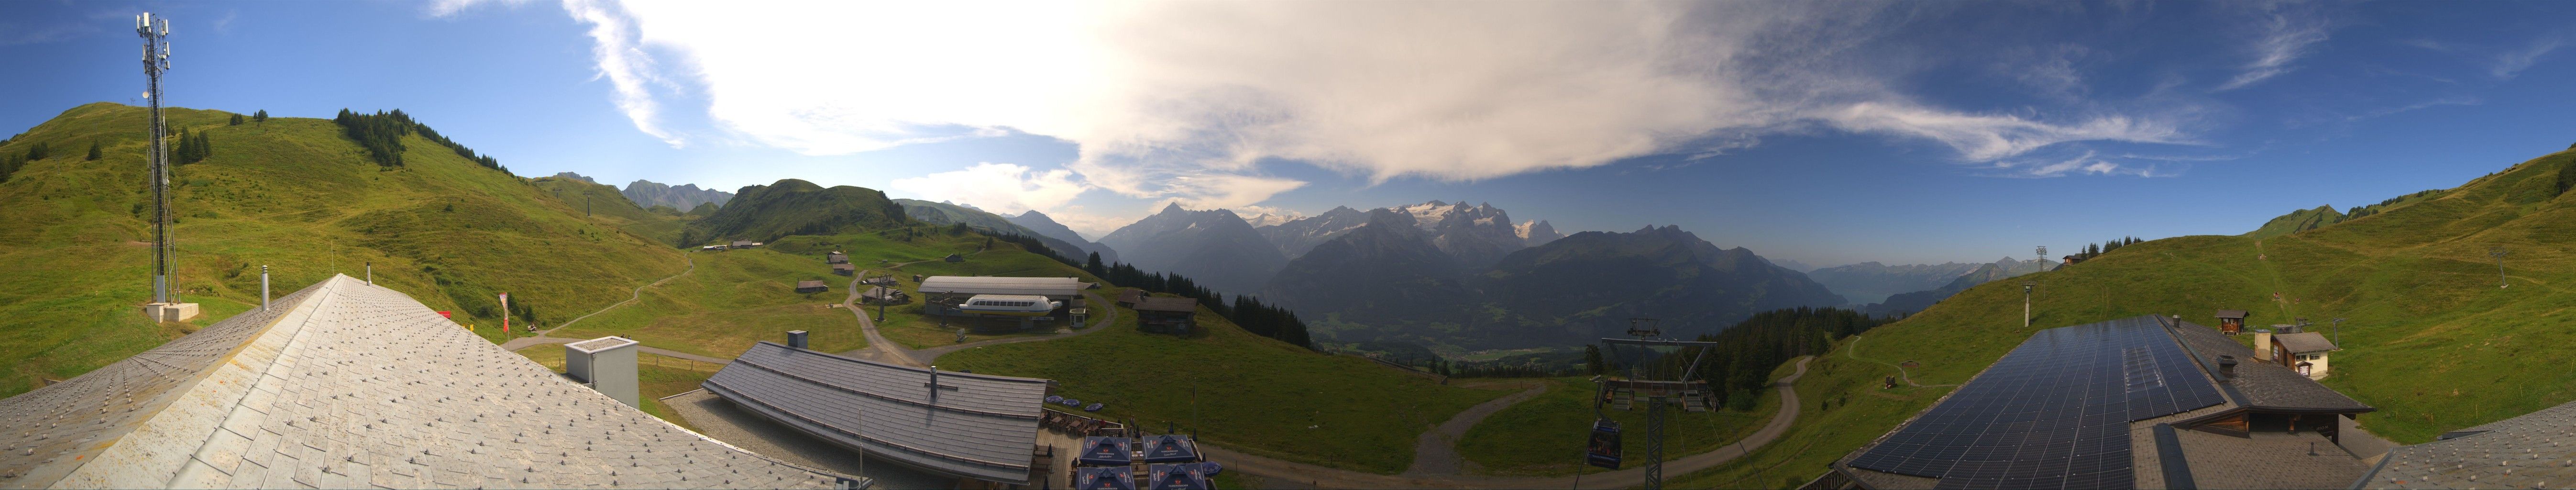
(682, 197)
(1215, 247)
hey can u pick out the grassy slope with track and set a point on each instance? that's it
(1246, 392)
(1545, 435)
(2431, 340)
(292, 193)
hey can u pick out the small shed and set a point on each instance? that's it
(811, 287)
(955, 258)
(845, 269)
(2304, 352)
(1176, 316)
(2231, 321)
(1128, 298)
(884, 295)
(836, 258)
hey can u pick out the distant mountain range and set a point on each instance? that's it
(2006, 268)
(1796, 266)
(941, 213)
(684, 197)
(1047, 227)
(1388, 280)
(1872, 282)
(1464, 274)
(1215, 247)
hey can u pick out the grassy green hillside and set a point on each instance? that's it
(1542, 436)
(1246, 392)
(764, 213)
(730, 301)
(602, 203)
(2298, 221)
(292, 193)
(2431, 340)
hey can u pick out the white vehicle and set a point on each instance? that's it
(1010, 305)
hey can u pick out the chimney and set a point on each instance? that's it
(2263, 345)
(2227, 367)
(606, 364)
(796, 338)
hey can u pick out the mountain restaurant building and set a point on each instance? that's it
(2139, 402)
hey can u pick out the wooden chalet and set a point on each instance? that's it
(2231, 321)
(1176, 316)
(836, 258)
(811, 287)
(845, 269)
(1128, 298)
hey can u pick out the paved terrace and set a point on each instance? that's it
(350, 385)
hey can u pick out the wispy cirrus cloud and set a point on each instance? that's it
(2512, 62)
(2286, 32)
(2088, 163)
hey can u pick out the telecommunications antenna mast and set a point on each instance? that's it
(2043, 252)
(156, 59)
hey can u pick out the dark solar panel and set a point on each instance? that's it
(2053, 413)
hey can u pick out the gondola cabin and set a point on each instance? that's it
(1604, 448)
(1010, 305)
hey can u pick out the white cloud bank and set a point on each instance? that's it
(1183, 101)
(1000, 188)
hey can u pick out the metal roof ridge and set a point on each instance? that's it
(929, 405)
(917, 369)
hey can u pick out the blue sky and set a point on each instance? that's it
(1826, 133)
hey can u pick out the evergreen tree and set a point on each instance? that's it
(186, 150)
(237, 120)
(1093, 265)
(2566, 176)
(93, 151)
(39, 151)
(261, 116)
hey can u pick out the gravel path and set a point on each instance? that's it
(1283, 473)
(1436, 453)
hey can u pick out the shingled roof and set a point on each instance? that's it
(2304, 342)
(2263, 385)
(1165, 303)
(350, 385)
(2529, 451)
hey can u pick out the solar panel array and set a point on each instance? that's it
(2053, 413)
